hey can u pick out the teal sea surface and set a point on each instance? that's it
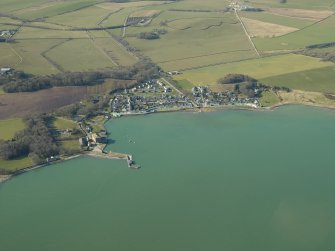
(219, 181)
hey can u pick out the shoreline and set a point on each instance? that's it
(273, 107)
(6, 177)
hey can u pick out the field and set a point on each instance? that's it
(194, 40)
(9, 127)
(258, 68)
(76, 55)
(63, 124)
(317, 80)
(14, 105)
(306, 98)
(21, 104)
(296, 4)
(204, 40)
(199, 34)
(263, 29)
(71, 145)
(300, 39)
(268, 17)
(53, 38)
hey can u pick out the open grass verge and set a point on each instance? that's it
(15, 165)
(269, 99)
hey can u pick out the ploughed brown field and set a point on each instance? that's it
(14, 105)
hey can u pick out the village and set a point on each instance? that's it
(154, 96)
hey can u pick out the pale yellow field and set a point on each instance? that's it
(263, 29)
(307, 98)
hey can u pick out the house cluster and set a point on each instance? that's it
(204, 97)
(6, 71)
(6, 34)
(154, 96)
(151, 86)
(238, 6)
(120, 104)
(138, 20)
(172, 73)
(134, 104)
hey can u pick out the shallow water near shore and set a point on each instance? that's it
(225, 180)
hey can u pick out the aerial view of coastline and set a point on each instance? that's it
(167, 125)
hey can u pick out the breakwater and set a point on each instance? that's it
(112, 155)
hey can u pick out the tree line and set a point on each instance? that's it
(23, 82)
(35, 141)
(248, 86)
(234, 78)
(155, 34)
(317, 51)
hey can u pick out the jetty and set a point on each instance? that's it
(113, 155)
(131, 163)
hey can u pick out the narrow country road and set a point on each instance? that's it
(246, 32)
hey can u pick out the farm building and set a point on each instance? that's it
(5, 70)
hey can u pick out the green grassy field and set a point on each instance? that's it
(317, 80)
(299, 4)
(80, 54)
(9, 127)
(185, 85)
(201, 42)
(8, 57)
(71, 145)
(63, 124)
(113, 49)
(31, 52)
(300, 39)
(87, 17)
(258, 68)
(54, 8)
(27, 33)
(43, 46)
(118, 18)
(13, 5)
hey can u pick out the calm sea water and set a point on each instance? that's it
(228, 180)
